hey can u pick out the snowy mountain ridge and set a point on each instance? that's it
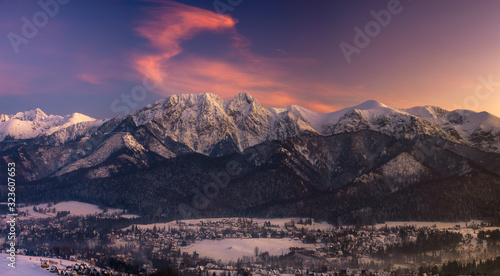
(33, 123)
(205, 123)
(203, 120)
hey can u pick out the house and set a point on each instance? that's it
(70, 272)
(44, 264)
(107, 272)
(93, 271)
(54, 269)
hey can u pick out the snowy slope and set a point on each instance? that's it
(477, 129)
(30, 265)
(24, 267)
(75, 208)
(33, 123)
(403, 170)
(117, 141)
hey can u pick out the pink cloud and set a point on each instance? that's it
(270, 80)
(89, 78)
(169, 26)
(284, 52)
(323, 108)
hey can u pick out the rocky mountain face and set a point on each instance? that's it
(198, 155)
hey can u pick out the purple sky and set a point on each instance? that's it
(103, 58)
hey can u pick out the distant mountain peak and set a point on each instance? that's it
(35, 115)
(240, 101)
(244, 96)
(370, 104)
(32, 123)
(4, 118)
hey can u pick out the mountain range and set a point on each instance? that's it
(197, 155)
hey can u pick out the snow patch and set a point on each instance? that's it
(232, 249)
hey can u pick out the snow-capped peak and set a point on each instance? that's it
(373, 108)
(426, 112)
(32, 123)
(469, 120)
(69, 120)
(370, 104)
(242, 102)
(243, 96)
(30, 115)
(4, 117)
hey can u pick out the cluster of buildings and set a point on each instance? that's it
(92, 239)
(74, 269)
(330, 242)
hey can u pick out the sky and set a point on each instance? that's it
(106, 58)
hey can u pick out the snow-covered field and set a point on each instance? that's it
(232, 249)
(24, 267)
(74, 207)
(27, 266)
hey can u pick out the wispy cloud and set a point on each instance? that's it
(167, 27)
(92, 79)
(270, 79)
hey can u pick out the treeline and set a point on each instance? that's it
(487, 267)
(490, 235)
(430, 240)
(120, 265)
